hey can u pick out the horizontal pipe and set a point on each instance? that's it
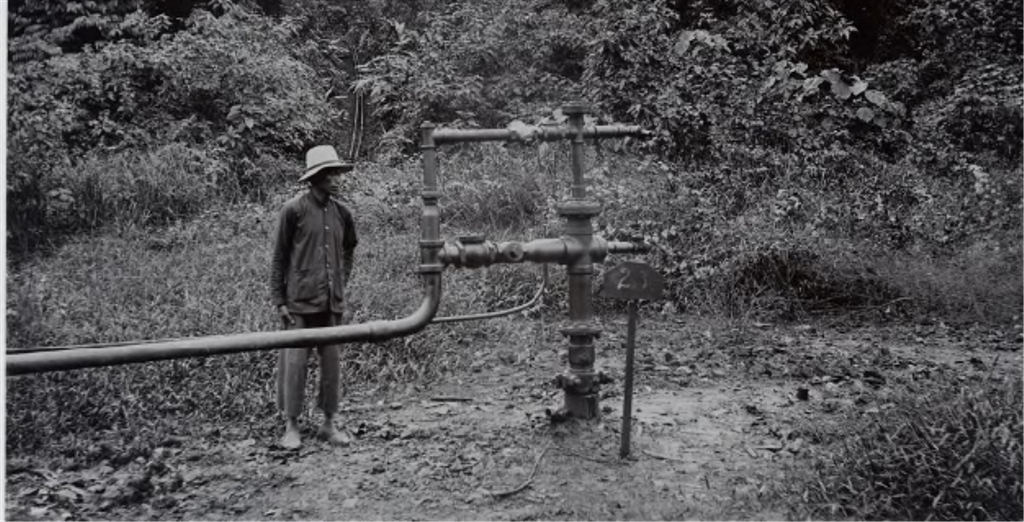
(443, 135)
(37, 362)
(91, 346)
(487, 253)
(562, 251)
(625, 247)
(536, 133)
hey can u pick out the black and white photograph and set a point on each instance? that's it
(513, 260)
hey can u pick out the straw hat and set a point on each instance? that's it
(323, 157)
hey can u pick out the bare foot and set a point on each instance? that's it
(334, 437)
(291, 440)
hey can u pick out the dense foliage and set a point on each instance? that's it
(798, 142)
(782, 133)
(154, 121)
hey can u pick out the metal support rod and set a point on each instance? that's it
(627, 395)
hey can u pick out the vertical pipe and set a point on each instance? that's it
(430, 220)
(576, 112)
(580, 382)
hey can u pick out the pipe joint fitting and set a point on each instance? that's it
(581, 329)
(475, 252)
(577, 383)
(431, 268)
(579, 208)
(564, 250)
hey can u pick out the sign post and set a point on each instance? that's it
(632, 282)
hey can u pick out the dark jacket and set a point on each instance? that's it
(313, 255)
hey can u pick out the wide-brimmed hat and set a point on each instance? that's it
(323, 157)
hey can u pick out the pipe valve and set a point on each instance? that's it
(474, 252)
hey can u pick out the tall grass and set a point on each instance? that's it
(983, 284)
(150, 186)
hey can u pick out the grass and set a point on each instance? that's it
(952, 451)
(980, 284)
(208, 275)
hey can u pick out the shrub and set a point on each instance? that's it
(453, 66)
(228, 78)
(89, 129)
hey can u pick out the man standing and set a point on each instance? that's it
(312, 262)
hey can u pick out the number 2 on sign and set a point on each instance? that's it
(624, 283)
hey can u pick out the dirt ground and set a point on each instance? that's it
(717, 421)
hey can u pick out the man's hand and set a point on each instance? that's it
(286, 317)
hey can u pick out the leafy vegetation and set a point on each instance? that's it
(218, 94)
(804, 148)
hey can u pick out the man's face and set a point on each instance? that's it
(327, 180)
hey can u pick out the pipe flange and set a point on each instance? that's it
(581, 329)
(583, 208)
(430, 269)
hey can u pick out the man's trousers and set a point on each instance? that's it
(291, 369)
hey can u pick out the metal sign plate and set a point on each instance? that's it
(631, 280)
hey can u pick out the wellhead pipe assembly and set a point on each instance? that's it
(578, 249)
